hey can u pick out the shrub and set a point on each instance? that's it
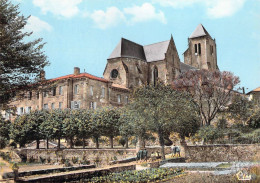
(75, 160)
(42, 160)
(67, 163)
(150, 175)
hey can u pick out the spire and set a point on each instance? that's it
(199, 31)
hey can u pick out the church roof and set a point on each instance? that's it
(184, 67)
(156, 51)
(199, 31)
(126, 48)
(149, 53)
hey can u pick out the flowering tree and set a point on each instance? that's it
(211, 90)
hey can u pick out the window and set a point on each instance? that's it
(93, 105)
(38, 95)
(155, 75)
(211, 50)
(60, 105)
(91, 91)
(45, 106)
(76, 89)
(138, 69)
(126, 99)
(20, 112)
(114, 73)
(196, 49)
(37, 107)
(54, 91)
(199, 49)
(45, 93)
(29, 109)
(7, 115)
(60, 90)
(102, 92)
(52, 106)
(118, 98)
(30, 95)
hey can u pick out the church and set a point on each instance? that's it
(129, 65)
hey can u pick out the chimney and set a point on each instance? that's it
(76, 70)
(42, 75)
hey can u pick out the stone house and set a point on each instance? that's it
(129, 65)
(255, 95)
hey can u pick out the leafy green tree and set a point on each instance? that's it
(83, 120)
(208, 134)
(4, 132)
(96, 126)
(163, 108)
(55, 121)
(19, 131)
(21, 61)
(70, 127)
(33, 124)
(108, 119)
(132, 123)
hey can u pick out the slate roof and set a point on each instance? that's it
(81, 75)
(126, 48)
(156, 51)
(199, 31)
(149, 53)
(184, 67)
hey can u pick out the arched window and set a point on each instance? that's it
(155, 75)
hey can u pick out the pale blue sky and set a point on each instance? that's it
(83, 33)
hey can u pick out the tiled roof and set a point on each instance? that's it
(156, 51)
(82, 75)
(126, 48)
(255, 90)
(199, 31)
(119, 86)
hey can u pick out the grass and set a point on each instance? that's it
(224, 165)
(2, 164)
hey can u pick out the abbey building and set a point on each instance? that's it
(128, 66)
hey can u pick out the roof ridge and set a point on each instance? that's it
(156, 43)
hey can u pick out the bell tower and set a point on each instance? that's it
(202, 50)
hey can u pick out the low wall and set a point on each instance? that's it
(227, 152)
(76, 176)
(95, 156)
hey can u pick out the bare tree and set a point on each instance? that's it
(211, 90)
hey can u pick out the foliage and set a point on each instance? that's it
(149, 175)
(20, 62)
(4, 132)
(164, 110)
(211, 90)
(209, 134)
(5, 155)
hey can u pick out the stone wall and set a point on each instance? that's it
(102, 156)
(214, 153)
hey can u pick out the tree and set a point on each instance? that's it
(20, 62)
(211, 90)
(84, 125)
(70, 127)
(55, 122)
(163, 109)
(108, 120)
(4, 132)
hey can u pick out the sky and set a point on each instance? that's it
(83, 33)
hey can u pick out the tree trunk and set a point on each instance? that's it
(71, 142)
(37, 144)
(83, 140)
(47, 143)
(97, 144)
(111, 142)
(126, 142)
(161, 140)
(59, 143)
